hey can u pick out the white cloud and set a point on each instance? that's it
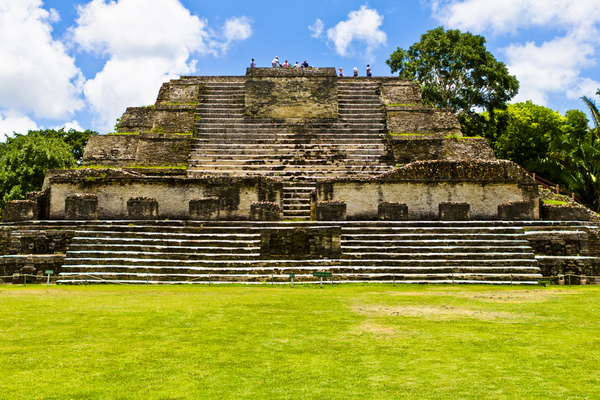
(553, 65)
(37, 76)
(11, 122)
(69, 125)
(362, 26)
(316, 28)
(503, 16)
(147, 42)
(236, 29)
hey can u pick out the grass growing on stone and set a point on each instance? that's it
(342, 342)
(555, 202)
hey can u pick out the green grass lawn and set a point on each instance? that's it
(342, 342)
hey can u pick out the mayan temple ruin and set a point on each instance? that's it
(288, 172)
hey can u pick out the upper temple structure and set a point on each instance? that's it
(355, 175)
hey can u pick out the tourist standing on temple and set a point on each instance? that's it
(275, 63)
(341, 73)
(285, 64)
(253, 64)
(369, 71)
(296, 65)
(355, 70)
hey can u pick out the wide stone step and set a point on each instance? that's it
(396, 265)
(216, 253)
(233, 153)
(284, 141)
(466, 256)
(435, 240)
(344, 163)
(183, 267)
(225, 143)
(420, 250)
(136, 246)
(308, 169)
(491, 279)
(89, 242)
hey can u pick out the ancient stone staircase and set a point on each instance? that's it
(228, 144)
(411, 252)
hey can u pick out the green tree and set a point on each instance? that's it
(527, 131)
(455, 71)
(573, 159)
(24, 160)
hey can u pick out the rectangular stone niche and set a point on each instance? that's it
(205, 208)
(301, 243)
(454, 211)
(387, 211)
(19, 210)
(81, 206)
(265, 211)
(331, 211)
(515, 211)
(142, 208)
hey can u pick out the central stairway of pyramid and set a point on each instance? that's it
(297, 151)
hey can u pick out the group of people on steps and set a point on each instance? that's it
(276, 64)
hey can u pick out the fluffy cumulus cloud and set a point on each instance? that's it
(317, 28)
(15, 121)
(37, 76)
(555, 65)
(146, 43)
(362, 26)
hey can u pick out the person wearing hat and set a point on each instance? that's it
(341, 73)
(275, 62)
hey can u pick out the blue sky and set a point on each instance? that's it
(81, 63)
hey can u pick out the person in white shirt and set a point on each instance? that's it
(253, 64)
(275, 63)
(355, 70)
(296, 65)
(341, 73)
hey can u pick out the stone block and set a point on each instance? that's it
(301, 243)
(81, 206)
(387, 211)
(19, 210)
(331, 211)
(142, 208)
(552, 212)
(516, 211)
(454, 211)
(206, 208)
(265, 211)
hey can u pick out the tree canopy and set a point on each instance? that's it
(455, 71)
(24, 159)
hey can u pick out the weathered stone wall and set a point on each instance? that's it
(145, 149)
(159, 119)
(111, 150)
(299, 243)
(399, 92)
(421, 120)
(422, 186)
(467, 148)
(291, 93)
(172, 193)
(408, 148)
(405, 149)
(422, 198)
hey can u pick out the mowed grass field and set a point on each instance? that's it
(341, 342)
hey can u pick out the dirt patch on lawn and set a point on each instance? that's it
(497, 296)
(434, 312)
